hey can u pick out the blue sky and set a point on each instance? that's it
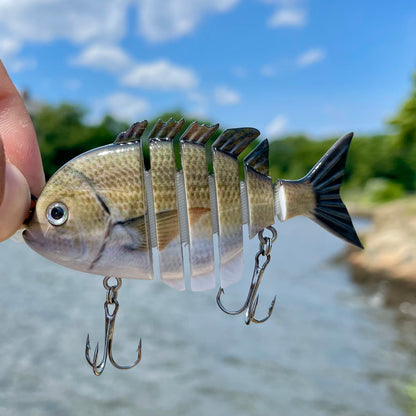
(284, 66)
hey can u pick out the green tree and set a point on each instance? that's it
(294, 156)
(63, 134)
(404, 146)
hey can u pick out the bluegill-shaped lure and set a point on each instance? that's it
(104, 213)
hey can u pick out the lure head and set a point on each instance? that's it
(68, 222)
(92, 214)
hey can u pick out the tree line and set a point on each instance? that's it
(383, 164)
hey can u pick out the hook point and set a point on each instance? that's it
(109, 332)
(272, 305)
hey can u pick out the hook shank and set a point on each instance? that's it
(110, 319)
(252, 300)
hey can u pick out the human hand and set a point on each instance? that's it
(21, 171)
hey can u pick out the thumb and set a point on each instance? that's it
(14, 197)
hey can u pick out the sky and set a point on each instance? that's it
(315, 67)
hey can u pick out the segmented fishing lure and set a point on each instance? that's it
(105, 213)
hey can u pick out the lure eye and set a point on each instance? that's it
(57, 213)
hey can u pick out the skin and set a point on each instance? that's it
(21, 171)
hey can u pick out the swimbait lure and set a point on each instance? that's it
(105, 213)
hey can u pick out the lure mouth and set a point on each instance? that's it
(28, 237)
(32, 240)
(29, 216)
(52, 242)
(63, 251)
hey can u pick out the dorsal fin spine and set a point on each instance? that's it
(234, 141)
(258, 158)
(166, 131)
(133, 134)
(199, 134)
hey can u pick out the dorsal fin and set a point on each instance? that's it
(199, 134)
(234, 141)
(133, 134)
(258, 159)
(166, 131)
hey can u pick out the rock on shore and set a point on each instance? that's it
(390, 242)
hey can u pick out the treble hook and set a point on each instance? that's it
(250, 304)
(110, 320)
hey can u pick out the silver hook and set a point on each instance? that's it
(252, 300)
(110, 320)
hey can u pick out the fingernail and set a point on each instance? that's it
(15, 203)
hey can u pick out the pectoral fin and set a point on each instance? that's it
(137, 231)
(167, 227)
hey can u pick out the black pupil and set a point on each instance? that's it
(57, 213)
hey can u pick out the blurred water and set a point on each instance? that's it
(331, 347)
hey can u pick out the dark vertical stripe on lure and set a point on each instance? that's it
(133, 136)
(198, 204)
(259, 189)
(225, 151)
(166, 202)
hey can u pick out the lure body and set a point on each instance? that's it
(104, 213)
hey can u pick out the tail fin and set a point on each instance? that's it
(317, 194)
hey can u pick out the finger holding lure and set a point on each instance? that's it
(104, 213)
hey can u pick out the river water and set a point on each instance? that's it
(332, 347)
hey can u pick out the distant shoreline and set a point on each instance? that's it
(389, 242)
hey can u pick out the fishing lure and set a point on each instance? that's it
(104, 213)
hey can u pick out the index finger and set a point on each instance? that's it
(18, 134)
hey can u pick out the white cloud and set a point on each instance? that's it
(157, 75)
(287, 13)
(160, 75)
(105, 21)
(75, 20)
(226, 96)
(8, 50)
(124, 106)
(295, 17)
(161, 20)
(276, 126)
(98, 26)
(102, 56)
(287, 65)
(8, 46)
(310, 57)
